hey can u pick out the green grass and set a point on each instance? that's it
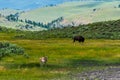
(64, 58)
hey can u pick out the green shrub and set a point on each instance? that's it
(8, 49)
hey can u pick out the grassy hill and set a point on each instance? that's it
(77, 12)
(99, 30)
(21, 25)
(71, 13)
(18, 25)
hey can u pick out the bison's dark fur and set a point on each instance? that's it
(78, 38)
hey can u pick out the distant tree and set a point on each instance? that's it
(34, 23)
(30, 22)
(21, 20)
(119, 6)
(94, 10)
(26, 21)
(54, 23)
(12, 17)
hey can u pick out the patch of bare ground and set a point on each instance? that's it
(111, 73)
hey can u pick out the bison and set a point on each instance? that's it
(78, 38)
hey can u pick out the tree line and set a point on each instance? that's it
(49, 25)
(53, 24)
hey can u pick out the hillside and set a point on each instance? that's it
(99, 30)
(76, 12)
(21, 25)
(68, 13)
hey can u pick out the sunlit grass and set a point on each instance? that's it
(64, 57)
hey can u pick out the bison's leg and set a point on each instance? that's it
(73, 40)
(83, 40)
(79, 40)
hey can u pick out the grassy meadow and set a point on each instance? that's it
(64, 58)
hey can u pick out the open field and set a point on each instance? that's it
(64, 58)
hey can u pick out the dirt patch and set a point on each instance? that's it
(112, 73)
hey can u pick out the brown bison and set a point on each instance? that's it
(78, 38)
